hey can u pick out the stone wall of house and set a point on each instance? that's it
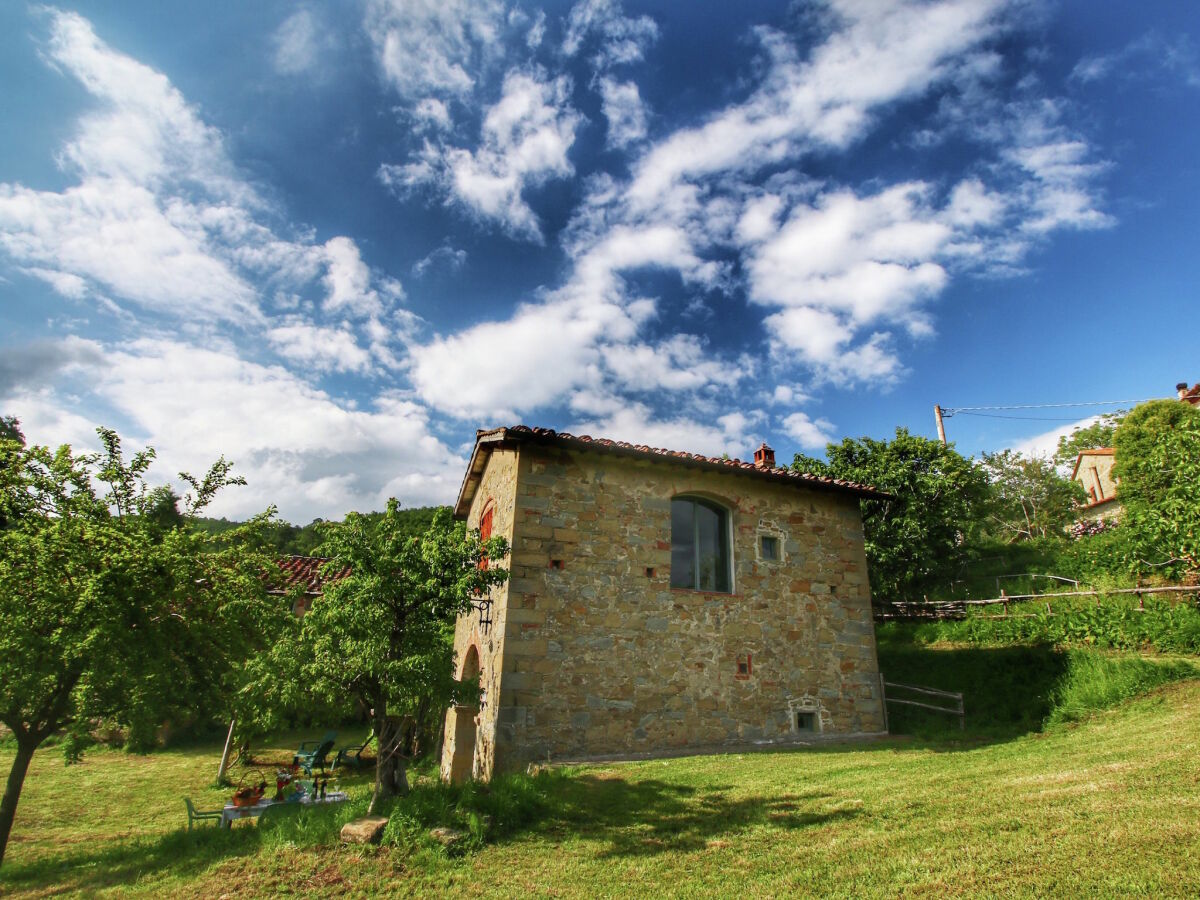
(498, 489)
(1095, 474)
(603, 657)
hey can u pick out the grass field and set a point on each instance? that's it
(1109, 806)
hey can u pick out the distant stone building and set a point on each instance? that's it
(1093, 470)
(659, 602)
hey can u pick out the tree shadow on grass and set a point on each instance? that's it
(185, 854)
(640, 818)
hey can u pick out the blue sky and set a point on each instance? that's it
(329, 241)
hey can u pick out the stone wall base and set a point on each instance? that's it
(808, 741)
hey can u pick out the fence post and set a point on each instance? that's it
(883, 703)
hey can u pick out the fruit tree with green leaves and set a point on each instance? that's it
(937, 498)
(380, 635)
(108, 608)
(1029, 498)
(1157, 465)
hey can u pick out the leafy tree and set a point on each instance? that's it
(10, 430)
(109, 607)
(1098, 434)
(286, 539)
(1157, 463)
(379, 634)
(1028, 497)
(10, 433)
(937, 498)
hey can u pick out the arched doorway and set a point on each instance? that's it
(462, 762)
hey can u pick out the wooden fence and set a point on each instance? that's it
(956, 699)
(957, 609)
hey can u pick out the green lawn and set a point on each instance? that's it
(1107, 807)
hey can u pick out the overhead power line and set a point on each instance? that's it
(940, 412)
(947, 413)
(950, 410)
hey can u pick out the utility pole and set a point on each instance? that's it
(937, 415)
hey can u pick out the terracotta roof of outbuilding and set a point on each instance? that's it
(527, 434)
(305, 571)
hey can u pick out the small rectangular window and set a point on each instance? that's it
(770, 548)
(806, 721)
(745, 666)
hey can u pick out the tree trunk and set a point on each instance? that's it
(223, 769)
(391, 765)
(12, 790)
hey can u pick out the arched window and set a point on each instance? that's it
(485, 531)
(700, 545)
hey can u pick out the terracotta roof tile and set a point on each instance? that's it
(550, 436)
(305, 571)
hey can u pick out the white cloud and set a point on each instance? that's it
(432, 47)
(808, 433)
(618, 39)
(525, 138)
(299, 447)
(299, 42)
(145, 132)
(537, 31)
(350, 284)
(432, 113)
(500, 368)
(863, 257)
(848, 263)
(623, 108)
(65, 283)
(875, 56)
(320, 348)
(159, 215)
(452, 258)
(39, 364)
(679, 363)
(1059, 194)
(115, 233)
(1046, 443)
(637, 424)
(1152, 53)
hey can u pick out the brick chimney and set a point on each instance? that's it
(764, 457)
(1181, 389)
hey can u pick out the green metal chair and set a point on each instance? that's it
(352, 756)
(195, 815)
(314, 758)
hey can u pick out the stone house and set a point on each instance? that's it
(658, 602)
(1093, 470)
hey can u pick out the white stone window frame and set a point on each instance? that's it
(780, 540)
(822, 717)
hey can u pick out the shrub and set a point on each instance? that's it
(484, 811)
(1158, 464)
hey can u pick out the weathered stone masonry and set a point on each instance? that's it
(590, 651)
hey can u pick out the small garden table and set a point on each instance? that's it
(231, 812)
